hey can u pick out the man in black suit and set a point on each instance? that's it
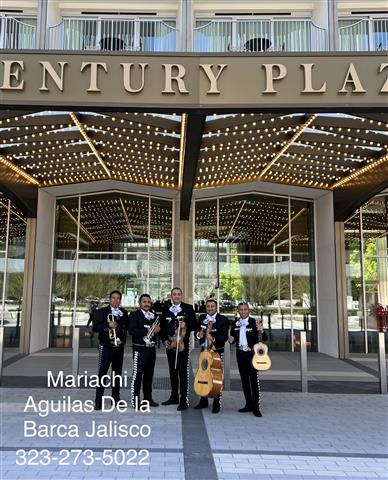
(111, 324)
(144, 353)
(215, 338)
(174, 315)
(245, 333)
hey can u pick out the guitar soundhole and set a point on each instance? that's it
(261, 352)
(204, 364)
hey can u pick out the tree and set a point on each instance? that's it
(264, 289)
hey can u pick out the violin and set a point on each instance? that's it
(177, 341)
(177, 338)
(209, 377)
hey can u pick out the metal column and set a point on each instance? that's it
(75, 345)
(382, 363)
(303, 362)
(2, 331)
(227, 366)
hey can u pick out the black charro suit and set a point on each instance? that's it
(108, 353)
(249, 375)
(219, 332)
(179, 377)
(144, 357)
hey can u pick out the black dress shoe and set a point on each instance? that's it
(247, 408)
(171, 401)
(216, 408)
(257, 413)
(200, 405)
(153, 404)
(182, 406)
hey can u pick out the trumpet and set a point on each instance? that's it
(147, 338)
(113, 338)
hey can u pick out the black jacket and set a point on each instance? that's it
(252, 333)
(137, 326)
(169, 321)
(219, 331)
(100, 325)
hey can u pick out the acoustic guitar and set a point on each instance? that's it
(260, 359)
(209, 377)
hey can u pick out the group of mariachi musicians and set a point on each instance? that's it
(174, 326)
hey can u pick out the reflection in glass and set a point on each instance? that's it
(303, 271)
(11, 269)
(3, 252)
(125, 243)
(264, 282)
(375, 265)
(354, 284)
(367, 273)
(114, 222)
(100, 274)
(15, 274)
(249, 260)
(65, 259)
(160, 248)
(206, 244)
(255, 223)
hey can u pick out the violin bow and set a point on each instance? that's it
(177, 343)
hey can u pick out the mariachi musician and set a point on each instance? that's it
(111, 323)
(245, 333)
(216, 337)
(143, 324)
(178, 317)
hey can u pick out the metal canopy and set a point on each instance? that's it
(341, 152)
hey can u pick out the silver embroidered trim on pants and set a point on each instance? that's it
(134, 376)
(188, 378)
(223, 374)
(100, 349)
(258, 386)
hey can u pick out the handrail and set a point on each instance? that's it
(261, 19)
(352, 24)
(275, 34)
(112, 33)
(121, 18)
(16, 34)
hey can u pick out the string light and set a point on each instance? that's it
(89, 142)
(8, 164)
(372, 165)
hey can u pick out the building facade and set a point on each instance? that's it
(281, 202)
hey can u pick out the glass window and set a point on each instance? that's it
(354, 299)
(206, 248)
(367, 274)
(254, 223)
(160, 250)
(303, 269)
(11, 269)
(242, 252)
(15, 274)
(375, 265)
(125, 243)
(64, 278)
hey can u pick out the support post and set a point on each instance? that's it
(75, 345)
(227, 366)
(382, 364)
(2, 336)
(303, 362)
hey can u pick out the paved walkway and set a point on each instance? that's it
(300, 436)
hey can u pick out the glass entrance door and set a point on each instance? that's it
(258, 249)
(105, 242)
